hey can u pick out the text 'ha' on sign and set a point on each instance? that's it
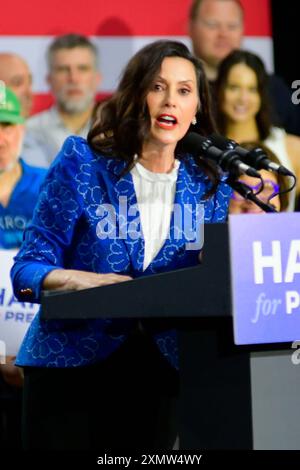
(265, 273)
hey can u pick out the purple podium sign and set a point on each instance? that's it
(265, 274)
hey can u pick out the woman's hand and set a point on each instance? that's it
(12, 374)
(71, 279)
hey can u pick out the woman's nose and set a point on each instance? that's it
(170, 99)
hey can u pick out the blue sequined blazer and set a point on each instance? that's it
(67, 232)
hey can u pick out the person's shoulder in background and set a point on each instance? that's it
(283, 111)
(38, 148)
(34, 171)
(41, 119)
(30, 183)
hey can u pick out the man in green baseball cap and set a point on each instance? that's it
(19, 190)
(11, 129)
(10, 107)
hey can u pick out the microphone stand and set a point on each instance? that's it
(248, 194)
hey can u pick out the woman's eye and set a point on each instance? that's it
(184, 91)
(157, 86)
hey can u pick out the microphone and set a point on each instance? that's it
(259, 160)
(227, 158)
(255, 158)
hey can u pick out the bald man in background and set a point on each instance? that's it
(15, 73)
(216, 28)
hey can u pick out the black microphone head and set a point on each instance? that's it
(222, 142)
(255, 157)
(194, 143)
(216, 148)
(257, 151)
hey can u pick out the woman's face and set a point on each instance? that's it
(241, 100)
(238, 205)
(172, 101)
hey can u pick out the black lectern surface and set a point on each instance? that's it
(203, 290)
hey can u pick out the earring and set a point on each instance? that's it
(194, 121)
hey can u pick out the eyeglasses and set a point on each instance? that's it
(269, 190)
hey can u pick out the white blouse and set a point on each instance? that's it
(155, 194)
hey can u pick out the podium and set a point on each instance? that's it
(215, 406)
(173, 294)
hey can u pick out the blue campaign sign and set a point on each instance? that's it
(265, 274)
(15, 317)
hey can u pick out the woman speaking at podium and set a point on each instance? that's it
(102, 384)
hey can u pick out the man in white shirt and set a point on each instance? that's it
(74, 78)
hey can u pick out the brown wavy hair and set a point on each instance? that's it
(122, 123)
(263, 117)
